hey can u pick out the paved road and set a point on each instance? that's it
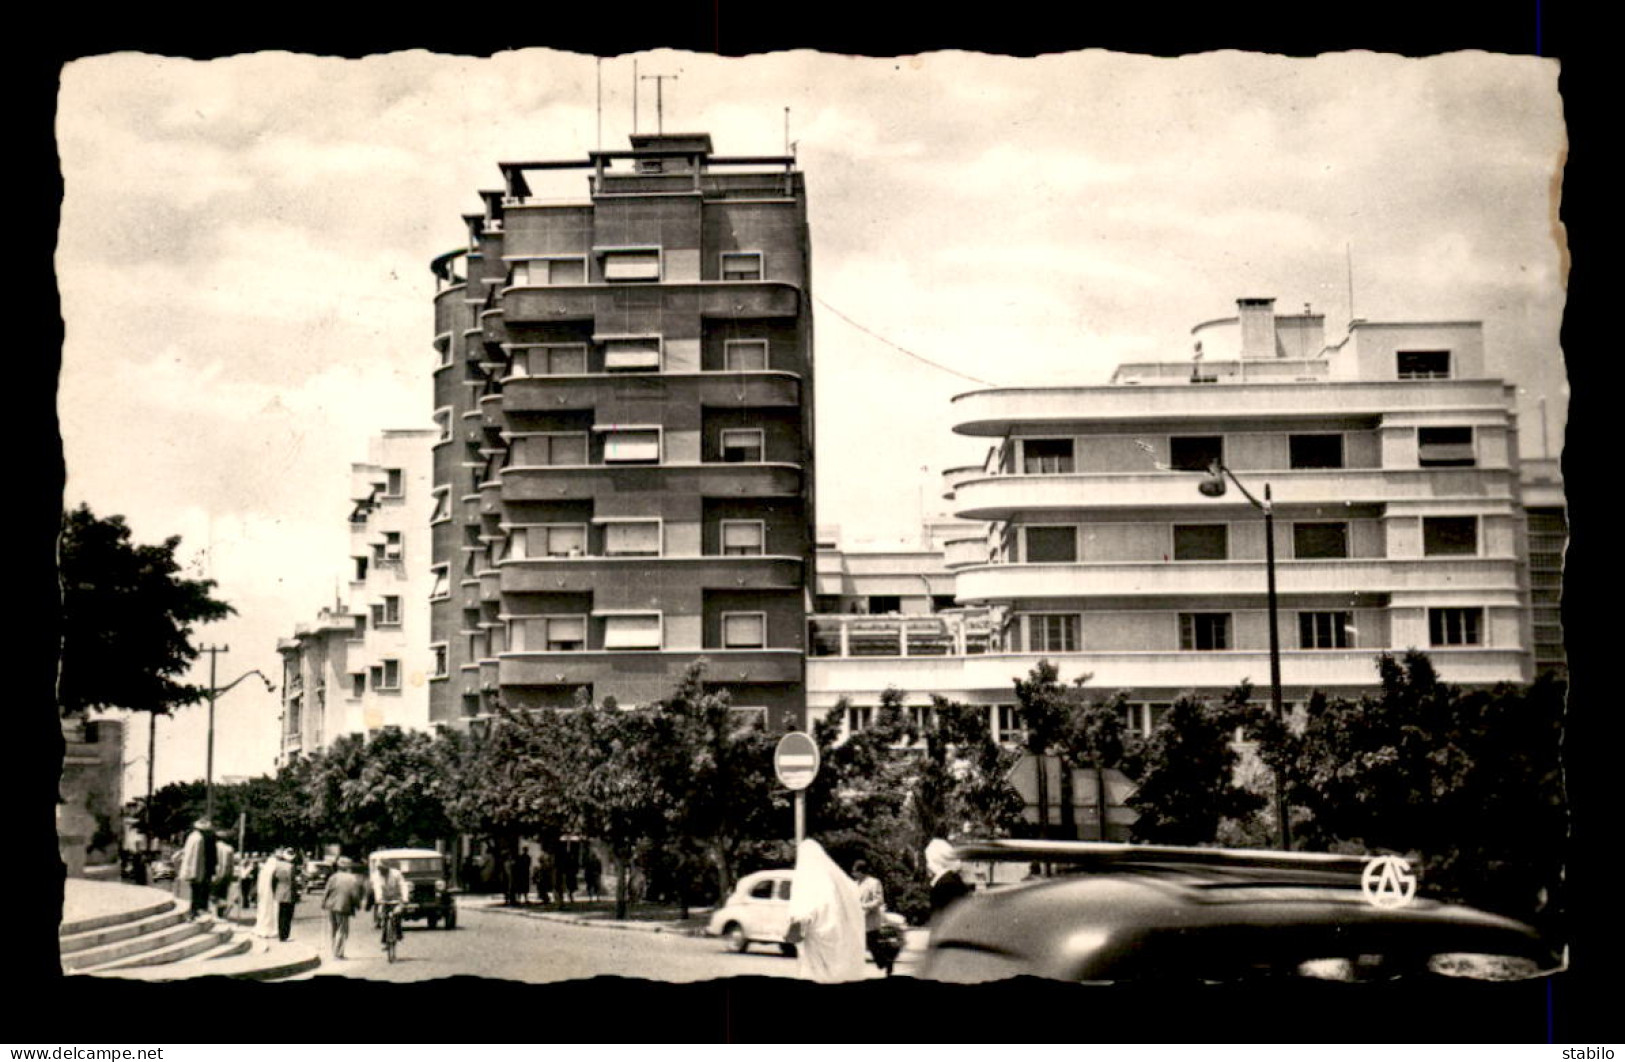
(513, 947)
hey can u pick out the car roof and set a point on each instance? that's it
(404, 853)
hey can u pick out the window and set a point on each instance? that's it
(639, 354)
(1194, 542)
(442, 346)
(744, 355)
(564, 634)
(744, 630)
(360, 627)
(632, 632)
(943, 602)
(438, 656)
(882, 604)
(360, 568)
(637, 445)
(387, 677)
(1046, 456)
(1456, 626)
(441, 587)
(387, 613)
(859, 717)
(1449, 536)
(442, 505)
(549, 271)
(552, 360)
(742, 445)
(561, 449)
(742, 265)
(389, 550)
(747, 718)
(1009, 721)
(1051, 545)
(1316, 451)
(1195, 453)
(632, 538)
(556, 540)
(394, 483)
(643, 264)
(1329, 541)
(1445, 448)
(1204, 630)
(1324, 630)
(442, 420)
(1424, 364)
(762, 890)
(743, 538)
(1052, 633)
(358, 684)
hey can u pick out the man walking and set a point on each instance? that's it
(198, 858)
(225, 872)
(284, 892)
(872, 898)
(521, 875)
(345, 891)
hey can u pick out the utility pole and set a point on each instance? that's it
(152, 752)
(660, 82)
(214, 652)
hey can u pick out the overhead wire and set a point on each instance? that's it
(901, 349)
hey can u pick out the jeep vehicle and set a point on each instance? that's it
(428, 894)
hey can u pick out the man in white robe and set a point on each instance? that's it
(824, 908)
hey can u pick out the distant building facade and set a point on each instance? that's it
(90, 808)
(365, 664)
(624, 397)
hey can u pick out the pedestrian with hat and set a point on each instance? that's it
(344, 896)
(198, 860)
(285, 891)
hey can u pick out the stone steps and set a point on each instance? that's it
(70, 943)
(186, 941)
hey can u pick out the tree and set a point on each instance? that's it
(1185, 772)
(127, 619)
(1094, 737)
(1044, 707)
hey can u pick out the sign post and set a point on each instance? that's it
(795, 761)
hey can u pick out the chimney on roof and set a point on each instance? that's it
(1257, 328)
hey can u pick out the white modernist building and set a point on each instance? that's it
(366, 664)
(1391, 460)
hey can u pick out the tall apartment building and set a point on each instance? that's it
(625, 457)
(367, 664)
(1546, 510)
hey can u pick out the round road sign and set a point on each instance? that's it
(795, 761)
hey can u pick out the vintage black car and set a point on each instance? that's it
(429, 897)
(1114, 912)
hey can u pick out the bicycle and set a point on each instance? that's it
(391, 919)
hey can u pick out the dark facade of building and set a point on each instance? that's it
(624, 474)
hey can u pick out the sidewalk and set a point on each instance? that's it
(641, 918)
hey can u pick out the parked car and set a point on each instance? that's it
(758, 912)
(428, 895)
(1112, 912)
(315, 872)
(163, 868)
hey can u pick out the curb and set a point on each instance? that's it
(593, 923)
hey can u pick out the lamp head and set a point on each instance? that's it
(1213, 485)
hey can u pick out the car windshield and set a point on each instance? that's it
(415, 864)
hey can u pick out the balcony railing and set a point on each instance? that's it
(940, 634)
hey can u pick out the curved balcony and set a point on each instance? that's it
(537, 394)
(1378, 575)
(449, 309)
(960, 553)
(987, 678)
(998, 497)
(953, 477)
(713, 299)
(995, 412)
(708, 480)
(599, 667)
(568, 575)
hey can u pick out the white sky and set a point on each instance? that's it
(244, 246)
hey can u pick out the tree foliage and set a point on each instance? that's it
(127, 619)
(1185, 773)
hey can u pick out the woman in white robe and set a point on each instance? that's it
(265, 897)
(824, 907)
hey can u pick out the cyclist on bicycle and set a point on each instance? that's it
(389, 892)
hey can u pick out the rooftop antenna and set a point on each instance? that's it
(660, 83)
(787, 130)
(1348, 264)
(598, 71)
(634, 96)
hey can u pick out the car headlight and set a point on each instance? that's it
(440, 886)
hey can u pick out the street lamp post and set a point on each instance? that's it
(214, 652)
(1213, 487)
